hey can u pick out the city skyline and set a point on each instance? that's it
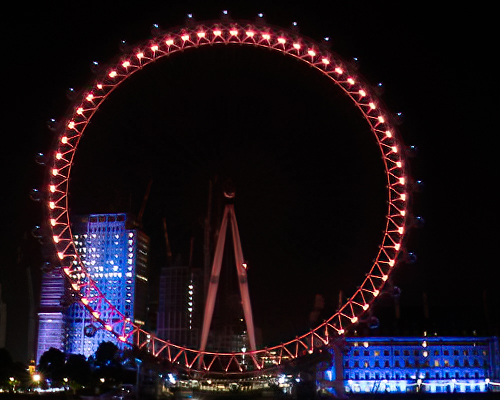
(449, 271)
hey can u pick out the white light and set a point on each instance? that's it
(402, 180)
(281, 40)
(311, 52)
(112, 74)
(55, 171)
(372, 106)
(90, 97)
(325, 61)
(365, 307)
(52, 222)
(266, 36)
(52, 205)
(233, 32)
(52, 188)
(60, 255)
(350, 81)
(250, 33)
(71, 125)
(185, 37)
(201, 34)
(58, 156)
(296, 46)
(381, 119)
(339, 70)
(362, 93)
(79, 110)
(354, 320)
(384, 277)
(139, 55)
(126, 64)
(391, 263)
(169, 42)
(388, 133)
(217, 32)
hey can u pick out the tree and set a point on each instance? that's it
(78, 369)
(51, 365)
(6, 364)
(107, 366)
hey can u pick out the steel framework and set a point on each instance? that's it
(230, 33)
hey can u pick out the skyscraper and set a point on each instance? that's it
(180, 305)
(51, 326)
(115, 254)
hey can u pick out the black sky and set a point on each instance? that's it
(301, 213)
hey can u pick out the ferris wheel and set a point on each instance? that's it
(206, 35)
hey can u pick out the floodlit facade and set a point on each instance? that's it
(51, 325)
(115, 254)
(418, 364)
(180, 305)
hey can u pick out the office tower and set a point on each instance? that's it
(180, 305)
(115, 254)
(51, 326)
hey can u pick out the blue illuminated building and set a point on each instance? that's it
(417, 364)
(115, 254)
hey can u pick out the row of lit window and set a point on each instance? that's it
(409, 364)
(410, 376)
(418, 352)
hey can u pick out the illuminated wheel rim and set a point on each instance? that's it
(228, 33)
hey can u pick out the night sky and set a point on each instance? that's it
(309, 180)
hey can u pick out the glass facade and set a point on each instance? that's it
(180, 305)
(115, 255)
